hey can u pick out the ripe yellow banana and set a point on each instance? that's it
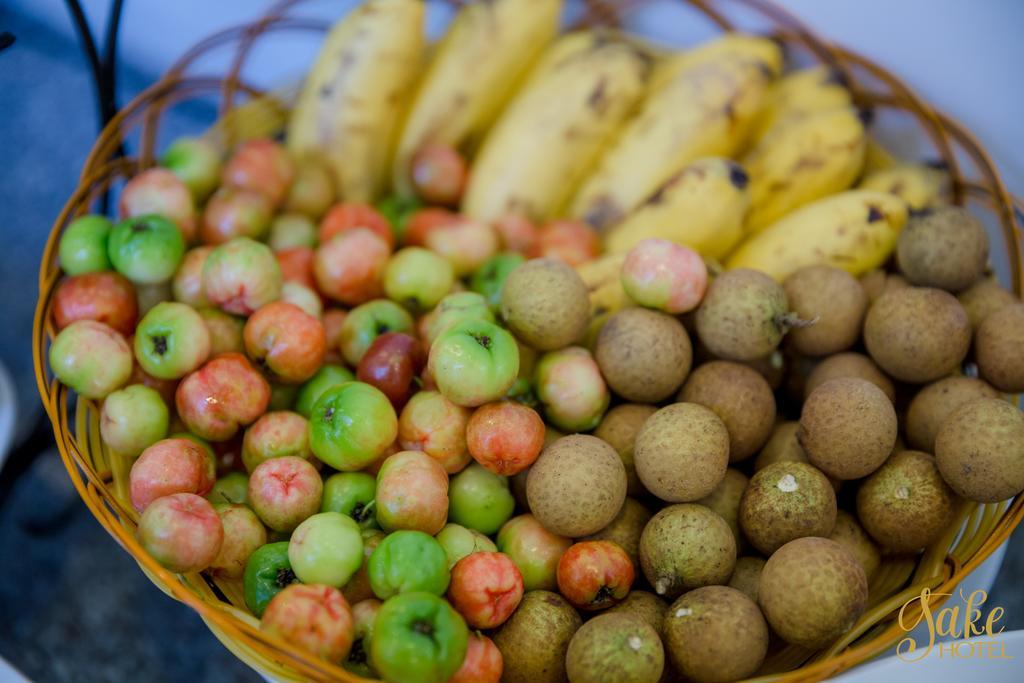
(854, 230)
(919, 185)
(484, 56)
(556, 126)
(702, 206)
(349, 106)
(801, 160)
(702, 105)
(877, 157)
(797, 95)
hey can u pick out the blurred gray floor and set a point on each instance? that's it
(74, 606)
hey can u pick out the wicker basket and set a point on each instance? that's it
(101, 477)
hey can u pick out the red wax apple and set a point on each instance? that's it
(391, 364)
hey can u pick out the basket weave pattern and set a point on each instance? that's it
(101, 477)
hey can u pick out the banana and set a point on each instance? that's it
(349, 105)
(800, 94)
(701, 206)
(801, 160)
(702, 105)
(920, 185)
(553, 130)
(484, 56)
(603, 278)
(877, 157)
(854, 230)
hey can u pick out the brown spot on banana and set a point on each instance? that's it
(874, 213)
(598, 100)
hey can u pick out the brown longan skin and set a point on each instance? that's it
(740, 317)
(682, 452)
(725, 501)
(534, 641)
(848, 428)
(849, 533)
(877, 282)
(686, 546)
(933, 404)
(832, 302)
(741, 397)
(944, 247)
(576, 486)
(619, 427)
(782, 446)
(644, 355)
(784, 501)
(812, 591)
(625, 529)
(546, 304)
(716, 634)
(982, 298)
(645, 605)
(746, 577)
(999, 349)
(917, 334)
(906, 505)
(980, 450)
(615, 646)
(849, 364)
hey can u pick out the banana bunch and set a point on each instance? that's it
(921, 186)
(854, 230)
(349, 106)
(803, 159)
(877, 157)
(702, 206)
(798, 95)
(603, 278)
(477, 67)
(701, 104)
(552, 132)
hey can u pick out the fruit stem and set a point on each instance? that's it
(790, 321)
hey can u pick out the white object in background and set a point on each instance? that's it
(8, 674)
(8, 413)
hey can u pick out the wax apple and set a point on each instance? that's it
(231, 489)
(479, 499)
(243, 535)
(490, 277)
(517, 232)
(367, 322)
(459, 541)
(326, 548)
(535, 551)
(418, 278)
(352, 494)
(412, 493)
(187, 285)
(306, 299)
(474, 362)
(333, 319)
(326, 377)
(418, 638)
(167, 467)
(196, 162)
(483, 662)
(158, 191)
(297, 265)
(91, 358)
(105, 297)
(133, 419)
(171, 340)
(262, 166)
(241, 276)
(312, 190)
(438, 174)
(148, 296)
(485, 589)
(290, 230)
(350, 266)
(505, 437)
(348, 216)
(286, 340)
(571, 241)
(146, 249)
(316, 618)
(422, 222)
(83, 245)
(571, 387)
(455, 308)
(267, 573)
(182, 532)
(364, 614)
(392, 364)
(664, 275)
(284, 492)
(275, 435)
(358, 587)
(225, 331)
(408, 561)
(433, 424)
(234, 212)
(220, 397)
(593, 575)
(351, 424)
(465, 243)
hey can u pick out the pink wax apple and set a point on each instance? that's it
(433, 424)
(182, 532)
(505, 437)
(226, 393)
(275, 435)
(351, 216)
(485, 589)
(483, 662)
(287, 341)
(439, 174)
(664, 275)
(284, 491)
(465, 243)
(573, 242)
(159, 191)
(313, 617)
(412, 493)
(241, 275)
(170, 466)
(243, 535)
(535, 551)
(297, 265)
(105, 297)
(234, 212)
(593, 575)
(518, 233)
(262, 166)
(349, 267)
(187, 286)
